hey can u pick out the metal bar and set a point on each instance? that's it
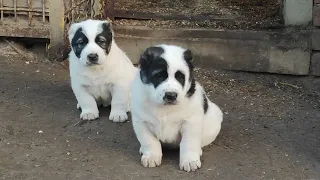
(1, 6)
(158, 16)
(30, 14)
(43, 11)
(15, 10)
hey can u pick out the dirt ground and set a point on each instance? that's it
(229, 14)
(271, 129)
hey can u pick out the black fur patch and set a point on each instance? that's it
(205, 103)
(192, 88)
(153, 67)
(104, 39)
(188, 57)
(180, 77)
(79, 42)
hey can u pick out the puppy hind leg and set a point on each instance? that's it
(211, 124)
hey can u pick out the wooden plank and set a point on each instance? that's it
(161, 16)
(36, 4)
(56, 13)
(110, 9)
(25, 31)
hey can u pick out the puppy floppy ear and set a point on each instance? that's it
(188, 56)
(72, 30)
(146, 59)
(144, 62)
(107, 26)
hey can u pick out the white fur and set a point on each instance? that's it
(107, 83)
(183, 124)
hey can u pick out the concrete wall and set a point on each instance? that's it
(285, 52)
(297, 12)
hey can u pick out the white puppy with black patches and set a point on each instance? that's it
(101, 73)
(169, 107)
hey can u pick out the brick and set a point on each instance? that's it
(316, 15)
(315, 64)
(315, 39)
(297, 12)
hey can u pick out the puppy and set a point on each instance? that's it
(169, 107)
(101, 73)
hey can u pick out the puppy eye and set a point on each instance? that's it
(157, 76)
(179, 75)
(80, 41)
(102, 40)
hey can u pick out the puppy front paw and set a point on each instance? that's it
(89, 114)
(190, 162)
(151, 159)
(118, 116)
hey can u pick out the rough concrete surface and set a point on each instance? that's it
(271, 129)
(284, 52)
(315, 64)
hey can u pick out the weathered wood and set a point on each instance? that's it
(110, 9)
(57, 23)
(162, 16)
(95, 8)
(36, 4)
(31, 32)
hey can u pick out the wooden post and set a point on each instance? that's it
(110, 9)
(96, 8)
(56, 14)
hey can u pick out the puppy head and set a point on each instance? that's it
(91, 41)
(167, 72)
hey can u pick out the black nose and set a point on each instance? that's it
(93, 57)
(170, 96)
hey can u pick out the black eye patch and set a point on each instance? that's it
(158, 76)
(78, 42)
(180, 77)
(104, 39)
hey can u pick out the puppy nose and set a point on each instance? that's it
(93, 57)
(170, 96)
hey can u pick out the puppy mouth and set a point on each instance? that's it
(92, 63)
(170, 103)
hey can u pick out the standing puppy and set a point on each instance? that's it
(168, 106)
(101, 73)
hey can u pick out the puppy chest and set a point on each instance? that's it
(99, 90)
(167, 132)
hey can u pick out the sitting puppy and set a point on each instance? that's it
(168, 106)
(101, 73)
